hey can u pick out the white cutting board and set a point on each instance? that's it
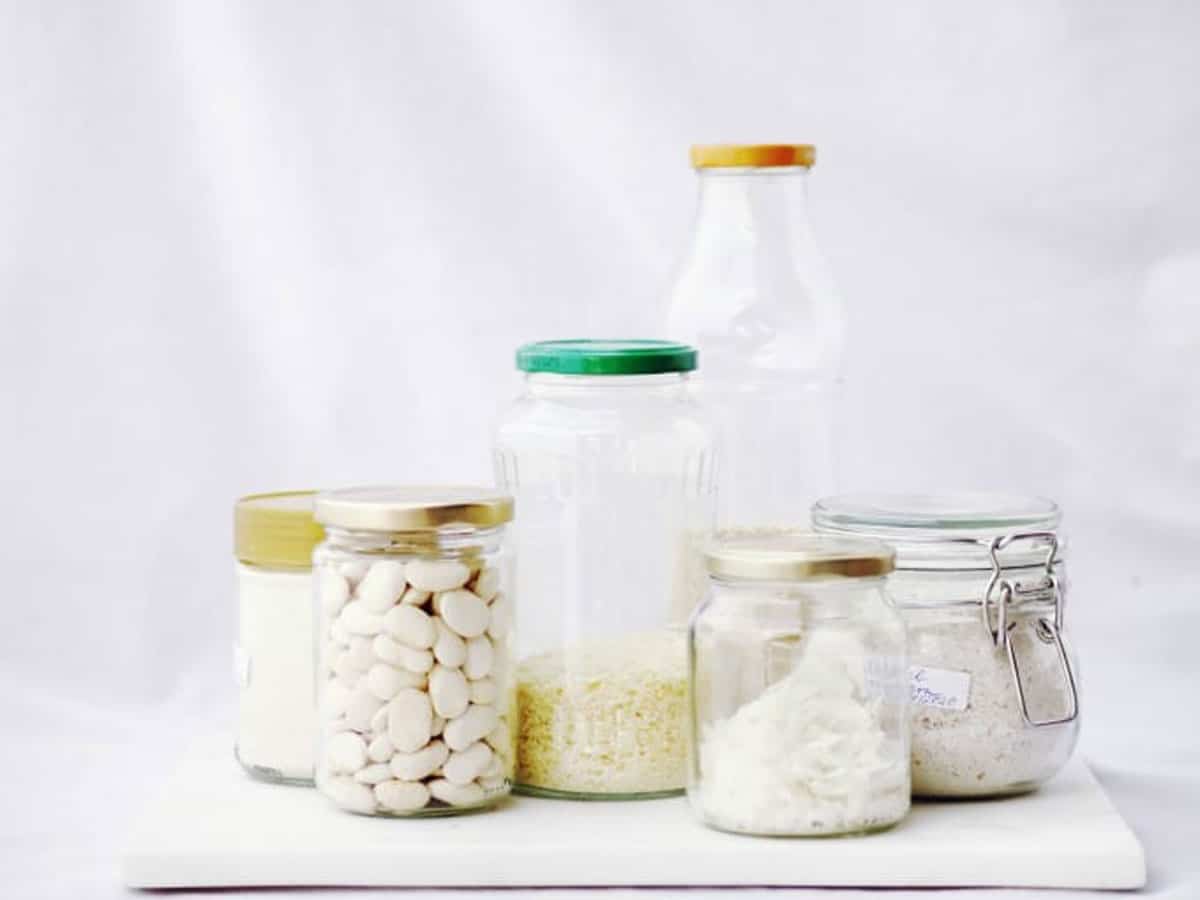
(213, 826)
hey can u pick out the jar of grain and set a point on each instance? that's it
(610, 460)
(981, 582)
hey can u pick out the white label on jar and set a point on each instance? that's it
(939, 688)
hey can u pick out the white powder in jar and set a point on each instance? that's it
(605, 717)
(810, 755)
(985, 748)
(275, 673)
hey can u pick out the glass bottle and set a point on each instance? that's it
(754, 296)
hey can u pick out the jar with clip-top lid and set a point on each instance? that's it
(981, 581)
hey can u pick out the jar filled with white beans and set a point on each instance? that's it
(413, 618)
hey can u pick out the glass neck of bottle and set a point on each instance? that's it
(765, 207)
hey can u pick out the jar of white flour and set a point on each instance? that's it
(980, 580)
(797, 686)
(274, 537)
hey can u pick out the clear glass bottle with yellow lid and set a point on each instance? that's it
(274, 537)
(754, 296)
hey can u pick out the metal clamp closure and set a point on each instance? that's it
(1047, 630)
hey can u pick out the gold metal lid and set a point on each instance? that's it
(276, 529)
(797, 556)
(413, 508)
(752, 156)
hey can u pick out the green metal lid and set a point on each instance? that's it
(585, 357)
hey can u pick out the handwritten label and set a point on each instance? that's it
(939, 688)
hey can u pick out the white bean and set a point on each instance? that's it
(438, 724)
(382, 586)
(456, 794)
(500, 617)
(465, 766)
(417, 661)
(353, 570)
(472, 725)
(486, 583)
(398, 654)
(362, 656)
(335, 697)
(361, 707)
(334, 592)
(373, 774)
(386, 682)
(355, 618)
(411, 626)
(437, 574)
(339, 635)
(500, 739)
(423, 763)
(387, 649)
(402, 796)
(483, 691)
(333, 726)
(479, 658)
(346, 752)
(349, 794)
(413, 597)
(449, 649)
(346, 669)
(495, 767)
(381, 748)
(410, 718)
(379, 721)
(492, 783)
(449, 692)
(463, 612)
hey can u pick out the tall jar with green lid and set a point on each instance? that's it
(274, 537)
(611, 462)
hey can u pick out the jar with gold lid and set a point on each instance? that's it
(274, 537)
(414, 624)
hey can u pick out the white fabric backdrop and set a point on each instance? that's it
(266, 245)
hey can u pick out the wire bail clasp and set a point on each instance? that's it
(1048, 630)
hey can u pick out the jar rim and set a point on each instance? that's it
(950, 530)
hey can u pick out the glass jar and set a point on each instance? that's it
(611, 464)
(274, 537)
(798, 689)
(755, 297)
(981, 581)
(414, 613)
